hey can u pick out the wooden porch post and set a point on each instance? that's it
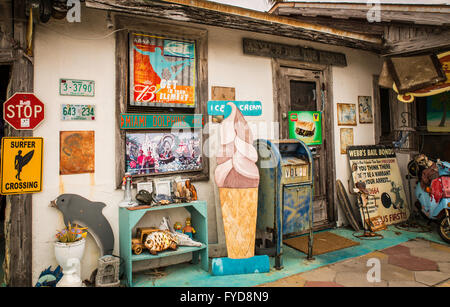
(18, 220)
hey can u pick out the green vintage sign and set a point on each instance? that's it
(160, 121)
(306, 126)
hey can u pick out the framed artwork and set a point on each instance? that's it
(365, 110)
(346, 139)
(346, 113)
(77, 152)
(162, 71)
(163, 152)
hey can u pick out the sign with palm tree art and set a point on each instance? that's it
(437, 108)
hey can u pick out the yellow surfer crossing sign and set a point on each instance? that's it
(21, 165)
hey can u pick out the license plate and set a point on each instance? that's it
(72, 87)
(77, 112)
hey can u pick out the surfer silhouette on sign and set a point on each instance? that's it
(20, 161)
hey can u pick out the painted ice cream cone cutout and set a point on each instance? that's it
(237, 177)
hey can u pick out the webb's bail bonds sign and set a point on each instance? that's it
(21, 165)
(377, 166)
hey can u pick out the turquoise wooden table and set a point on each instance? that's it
(129, 218)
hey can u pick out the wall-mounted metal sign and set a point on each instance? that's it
(73, 87)
(23, 111)
(247, 108)
(21, 165)
(290, 52)
(160, 121)
(77, 112)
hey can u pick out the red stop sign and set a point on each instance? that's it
(23, 111)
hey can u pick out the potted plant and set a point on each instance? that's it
(69, 249)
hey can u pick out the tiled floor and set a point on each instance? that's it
(415, 263)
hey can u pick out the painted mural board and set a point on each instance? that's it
(77, 112)
(306, 126)
(76, 87)
(162, 71)
(438, 118)
(21, 165)
(377, 166)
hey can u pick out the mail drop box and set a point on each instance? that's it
(285, 193)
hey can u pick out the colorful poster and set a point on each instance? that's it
(377, 167)
(162, 71)
(154, 152)
(306, 126)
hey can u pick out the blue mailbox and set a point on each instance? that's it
(285, 194)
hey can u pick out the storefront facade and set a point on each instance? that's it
(97, 49)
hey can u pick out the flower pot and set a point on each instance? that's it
(68, 256)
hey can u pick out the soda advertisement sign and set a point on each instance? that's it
(306, 126)
(162, 71)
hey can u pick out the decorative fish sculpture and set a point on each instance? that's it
(160, 240)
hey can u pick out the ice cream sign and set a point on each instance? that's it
(247, 108)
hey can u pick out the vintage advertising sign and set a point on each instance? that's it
(73, 87)
(441, 87)
(306, 126)
(377, 166)
(160, 121)
(23, 111)
(21, 165)
(247, 108)
(77, 112)
(162, 71)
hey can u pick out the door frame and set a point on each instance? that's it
(328, 117)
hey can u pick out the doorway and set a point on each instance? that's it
(5, 71)
(306, 89)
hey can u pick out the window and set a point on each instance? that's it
(161, 72)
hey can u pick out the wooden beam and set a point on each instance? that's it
(419, 44)
(430, 18)
(18, 229)
(247, 22)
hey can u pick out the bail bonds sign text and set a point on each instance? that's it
(377, 166)
(21, 165)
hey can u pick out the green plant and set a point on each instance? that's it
(71, 234)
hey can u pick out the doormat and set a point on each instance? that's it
(323, 242)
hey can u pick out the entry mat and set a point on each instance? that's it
(323, 242)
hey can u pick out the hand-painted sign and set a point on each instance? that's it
(23, 111)
(77, 112)
(377, 167)
(306, 126)
(247, 108)
(21, 165)
(162, 71)
(160, 121)
(444, 86)
(73, 87)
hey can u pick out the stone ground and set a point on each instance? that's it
(415, 263)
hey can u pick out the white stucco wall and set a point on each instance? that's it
(63, 50)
